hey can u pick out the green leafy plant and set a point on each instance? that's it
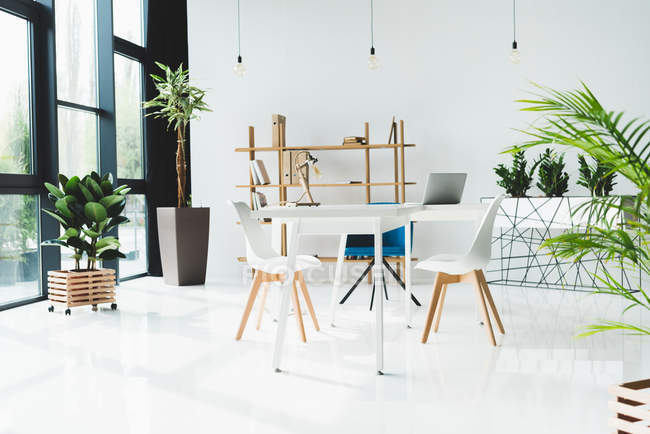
(88, 209)
(598, 178)
(553, 180)
(516, 180)
(576, 119)
(178, 102)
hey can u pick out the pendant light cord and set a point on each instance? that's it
(238, 32)
(372, 25)
(514, 21)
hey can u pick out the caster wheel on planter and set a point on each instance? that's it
(50, 309)
(113, 306)
(94, 308)
(67, 312)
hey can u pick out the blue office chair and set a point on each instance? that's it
(393, 246)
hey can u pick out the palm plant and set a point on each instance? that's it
(576, 119)
(177, 101)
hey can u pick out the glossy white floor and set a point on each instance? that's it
(167, 362)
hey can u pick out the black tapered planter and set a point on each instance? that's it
(183, 234)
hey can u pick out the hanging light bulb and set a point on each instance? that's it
(515, 54)
(239, 69)
(373, 62)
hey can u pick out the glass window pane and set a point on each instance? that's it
(133, 237)
(19, 258)
(128, 117)
(127, 20)
(77, 142)
(15, 144)
(76, 60)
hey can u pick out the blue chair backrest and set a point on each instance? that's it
(392, 238)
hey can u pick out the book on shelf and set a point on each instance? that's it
(256, 179)
(261, 172)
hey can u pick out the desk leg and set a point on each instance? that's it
(286, 289)
(378, 274)
(407, 274)
(337, 278)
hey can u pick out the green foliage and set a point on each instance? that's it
(178, 102)
(599, 178)
(516, 180)
(88, 209)
(576, 119)
(553, 180)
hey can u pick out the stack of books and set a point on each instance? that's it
(260, 175)
(354, 140)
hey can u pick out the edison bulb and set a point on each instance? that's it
(373, 62)
(515, 56)
(239, 69)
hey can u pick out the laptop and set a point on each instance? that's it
(444, 188)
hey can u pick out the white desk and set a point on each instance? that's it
(337, 220)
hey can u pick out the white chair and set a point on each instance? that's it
(465, 268)
(270, 266)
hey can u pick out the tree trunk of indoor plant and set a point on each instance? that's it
(180, 167)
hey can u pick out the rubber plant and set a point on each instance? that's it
(178, 102)
(598, 178)
(553, 180)
(516, 180)
(576, 119)
(88, 209)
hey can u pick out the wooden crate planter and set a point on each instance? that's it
(81, 288)
(632, 406)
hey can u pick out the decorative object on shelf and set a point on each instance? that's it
(310, 161)
(373, 61)
(354, 140)
(630, 402)
(576, 119)
(88, 210)
(515, 55)
(553, 180)
(516, 181)
(239, 69)
(521, 227)
(182, 231)
(599, 178)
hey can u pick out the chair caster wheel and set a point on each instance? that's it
(67, 312)
(113, 306)
(50, 309)
(94, 308)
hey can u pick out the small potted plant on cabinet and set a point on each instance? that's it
(87, 209)
(182, 231)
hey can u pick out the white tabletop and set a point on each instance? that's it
(365, 210)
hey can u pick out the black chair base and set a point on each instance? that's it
(372, 297)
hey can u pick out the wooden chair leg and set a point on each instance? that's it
(257, 280)
(398, 268)
(298, 312)
(488, 295)
(486, 315)
(260, 314)
(439, 309)
(305, 294)
(437, 286)
(369, 276)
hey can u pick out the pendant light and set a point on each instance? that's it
(373, 62)
(239, 69)
(515, 55)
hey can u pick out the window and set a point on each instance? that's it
(128, 117)
(15, 142)
(133, 237)
(77, 141)
(127, 20)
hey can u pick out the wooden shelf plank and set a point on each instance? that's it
(334, 259)
(323, 147)
(358, 184)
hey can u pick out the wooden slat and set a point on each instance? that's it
(323, 148)
(394, 259)
(356, 184)
(639, 412)
(367, 154)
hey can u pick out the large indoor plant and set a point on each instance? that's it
(182, 231)
(87, 209)
(576, 119)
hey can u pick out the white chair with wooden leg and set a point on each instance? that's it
(465, 268)
(271, 267)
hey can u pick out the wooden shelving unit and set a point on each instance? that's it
(399, 172)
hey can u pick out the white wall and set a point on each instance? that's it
(445, 71)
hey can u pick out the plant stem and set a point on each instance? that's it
(180, 167)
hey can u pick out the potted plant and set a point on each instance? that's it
(182, 231)
(553, 180)
(87, 209)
